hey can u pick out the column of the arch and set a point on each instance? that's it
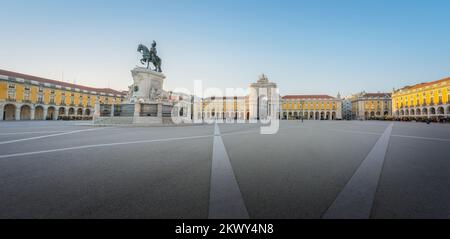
(32, 109)
(17, 116)
(1, 112)
(447, 106)
(56, 113)
(45, 111)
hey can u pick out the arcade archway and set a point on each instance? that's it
(9, 112)
(25, 112)
(39, 113)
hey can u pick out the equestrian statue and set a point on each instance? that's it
(150, 56)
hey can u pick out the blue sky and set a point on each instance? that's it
(307, 47)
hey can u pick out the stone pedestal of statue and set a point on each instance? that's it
(147, 85)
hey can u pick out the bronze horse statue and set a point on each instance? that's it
(150, 56)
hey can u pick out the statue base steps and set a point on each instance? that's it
(133, 121)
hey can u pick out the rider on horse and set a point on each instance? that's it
(153, 52)
(150, 56)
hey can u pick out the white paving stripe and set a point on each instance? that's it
(356, 199)
(100, 145)
(47, 136)
(33, 132)
(225, 200)
(419, 137)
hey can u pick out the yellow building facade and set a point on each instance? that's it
(425, 100)
(25, 97)
(371, 105)
(311, 107)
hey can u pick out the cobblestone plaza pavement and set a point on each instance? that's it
(315, 169)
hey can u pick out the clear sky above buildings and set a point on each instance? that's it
(306, 47)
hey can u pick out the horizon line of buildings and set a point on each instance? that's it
(26, 97)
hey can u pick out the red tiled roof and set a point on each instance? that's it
(426, 84)
(377, 94)
(307, 97)
(61, 83)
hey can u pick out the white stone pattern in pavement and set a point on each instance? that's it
(225, 199)
(48, 136)
(356, 199)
